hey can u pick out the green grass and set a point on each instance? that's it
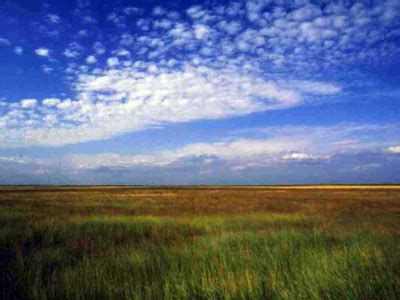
(200, 245)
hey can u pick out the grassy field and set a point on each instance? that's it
(322, 242)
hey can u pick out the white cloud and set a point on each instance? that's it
(130, 10)
(51, 101)
(112, 62)
(47, 69)
(231, 27)
(237, 149)
(235, 152)
(316, 88)
(195, 12)
(394, 149)
(74, 50)
(304, 157)
(28, 103)
(50, 120)
(159, 11)
(71, 53)
(306, 13)
(123, 100)
(42, 52)
(65, 105)
(91, 59)
(53, 18)
(123, 52)
(99, 48)
(214, 64)
(200, 31)
(18, 50)
(83, 33)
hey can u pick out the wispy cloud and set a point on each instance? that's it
(284, 145)
(339, 153)
(4, 42)
(53, 18)
(18, 50)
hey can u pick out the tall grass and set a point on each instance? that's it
(133, 247)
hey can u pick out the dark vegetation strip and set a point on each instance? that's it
(119, 189)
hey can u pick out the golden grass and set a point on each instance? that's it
(240, 242)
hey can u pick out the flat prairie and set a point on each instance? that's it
(201, 242)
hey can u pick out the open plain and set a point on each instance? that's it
(205, 242)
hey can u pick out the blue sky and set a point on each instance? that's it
(199, 92)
